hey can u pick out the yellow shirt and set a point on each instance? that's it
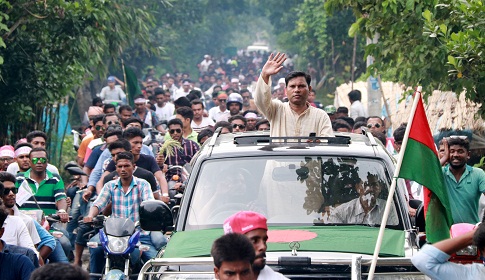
(284, 121)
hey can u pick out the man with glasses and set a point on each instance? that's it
(182, 155)
(375, 123)
(186, 115)
(465, 183)
(220, 113)
(39, 188)
(97, 129)
(238, 123)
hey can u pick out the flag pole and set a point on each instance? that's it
(126, 83)
(392, 189)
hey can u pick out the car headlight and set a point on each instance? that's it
(118, 244)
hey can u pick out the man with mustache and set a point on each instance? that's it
(368, 208)
(295, 117)
(254, 226)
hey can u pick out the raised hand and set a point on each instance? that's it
(272, 66)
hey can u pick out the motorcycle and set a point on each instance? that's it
(176, 184)
(119, 237)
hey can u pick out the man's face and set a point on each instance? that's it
(9, 194)
(225, 130)
(398, 144)
(112, 120)
(109, 111)
(369, 192)
(124, 168)
(5, 162)
(375, 124)
(251, 124)
(140, 107)
(311, 97)
(258, 238)
(185, 121)
(38, 142)
(115, 152)
(125, 114)
(134, 124)
(136, 144)
(458, 156)
(235, 85)
(441, 151)
(170, 82)
(238, 126)
(234, 108)
(240, 270)
(222, 103)
(297, 91)
(246, 98)
(175, 131)
(38, 161)
(198, 111)
(186, 87)
(23, 161)
(167, 96)
(263, 127)
(111, 139)
(111, 85)
(160, 99)
(98, 129)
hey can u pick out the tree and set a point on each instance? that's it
(423, 43)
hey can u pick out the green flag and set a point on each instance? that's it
(131, 85)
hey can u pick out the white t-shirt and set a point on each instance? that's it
(166, 112)
(357, 110)
(268, 273)
(16, 233)
(204, 124)
(29, 224)
(217, 115)
(112, 94)
(180, 93)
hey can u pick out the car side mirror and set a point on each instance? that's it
(155, 216)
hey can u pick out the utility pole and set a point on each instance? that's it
(374, 102)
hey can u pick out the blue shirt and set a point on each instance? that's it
(98, 169)
(19, 267)
(46, 239)
(465, 194)
(93, 158)
(434, 263)
(7, 248)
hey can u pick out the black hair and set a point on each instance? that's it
(132, 120)
(244, 91)
(340, 123)
(355, 95)
(399, 132)
(223, 124)
(348, 120)
(361, 119)
(479, 237)
(23, 144)
(133, 132)
(158, 91)
(197, 102)
(358, 125)
(38, 149)
(110, 115)
(36, 133)
(376, 117)
(343, 110)
(262, 121)
(125, 155)
(59, 271)
(4, 213)
(182, 102)
(196, 93)
(232, 247)
(120, 143)
(459, 142)
(238, 117)
(185, 112)
(96, 100)
(108, 106)
(6, 176)
(381, 136)
(175, 121)
(98, 118)
(113, 129)
(125, 108)
(296, 74)
(203, 133)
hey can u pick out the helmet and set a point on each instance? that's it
(330, 109)
(155, 215)
(235, 98)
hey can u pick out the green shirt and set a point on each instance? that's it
(47, 193)
(192, 136)
(465, 194)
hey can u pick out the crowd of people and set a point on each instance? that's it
(229, 95)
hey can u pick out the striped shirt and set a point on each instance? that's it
(183, 155)
(46, 193)
(124, 205)
(284, 122)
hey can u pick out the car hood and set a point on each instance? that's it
(340, 239)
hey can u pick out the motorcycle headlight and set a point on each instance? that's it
(470, 250)
(118, 244)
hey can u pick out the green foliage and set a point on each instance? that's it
(438, 46)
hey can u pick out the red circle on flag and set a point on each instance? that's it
(289, 235)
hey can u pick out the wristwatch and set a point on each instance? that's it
(61, 211)
(165, 194)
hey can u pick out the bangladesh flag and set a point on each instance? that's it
(420, 163)
(131, 85)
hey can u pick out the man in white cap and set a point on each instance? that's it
(184, 90)
(204, 64)
(254, 226)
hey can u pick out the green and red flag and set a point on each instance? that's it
(420, 163)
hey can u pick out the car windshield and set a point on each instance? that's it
(296, 190)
